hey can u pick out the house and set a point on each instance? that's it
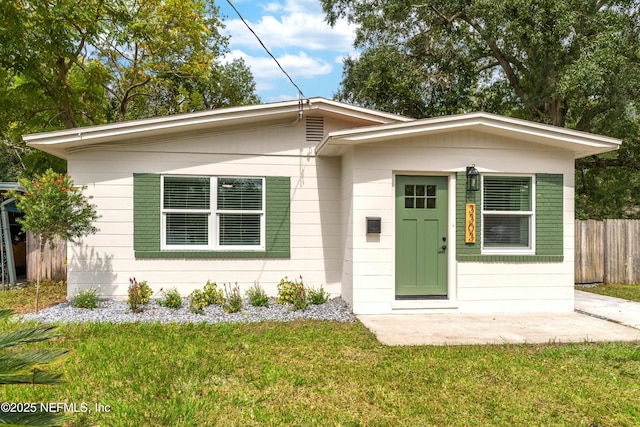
(465, 213)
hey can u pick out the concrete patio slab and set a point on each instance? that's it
(614, 309)
(459, 329)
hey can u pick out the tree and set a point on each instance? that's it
(54, 207)
(26, 367)
(69, 63)
(570, 63)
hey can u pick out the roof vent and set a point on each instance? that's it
(315, 129)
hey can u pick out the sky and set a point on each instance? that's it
(297, 35)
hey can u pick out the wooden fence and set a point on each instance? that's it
(607, 251)
(54, 266)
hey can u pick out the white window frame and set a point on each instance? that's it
(213, 213)
(531, 214)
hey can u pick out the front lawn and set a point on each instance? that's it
(628, 292)
(22, 299)
(314, 373)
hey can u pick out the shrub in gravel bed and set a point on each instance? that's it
(209, 295)
(139, 295)
(257, 296)
(232, 299)
(170, 298)
(87, 298)
(317, 296)
(292, 292)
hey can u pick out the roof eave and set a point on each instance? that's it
(585, 144)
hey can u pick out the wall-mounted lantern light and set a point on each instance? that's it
(473, 178)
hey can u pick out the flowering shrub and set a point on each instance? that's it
(233, 299)
(198, 302)
(292, 293)
(209, 295)
(170, 298)
(139, 294)
(212, 294)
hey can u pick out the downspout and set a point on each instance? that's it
(8, 244)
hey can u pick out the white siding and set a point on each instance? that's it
(106, 260)
(473, 287)
(330, 200)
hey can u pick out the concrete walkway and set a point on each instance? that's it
(597, 318)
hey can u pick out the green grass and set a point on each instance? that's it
(624, 291)
(22, 300)
(324, 373)
(312, 373)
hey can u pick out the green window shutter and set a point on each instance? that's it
(146, 213)
(549, 214)
(146, 222)
(278, 208)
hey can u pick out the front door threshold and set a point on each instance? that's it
(424, 304)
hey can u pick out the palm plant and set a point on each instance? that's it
(28, 367)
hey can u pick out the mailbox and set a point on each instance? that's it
(374, 225)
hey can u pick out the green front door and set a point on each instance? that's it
(421, 237)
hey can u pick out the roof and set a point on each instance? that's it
(369, 126)
(59, 142)
(583, 144)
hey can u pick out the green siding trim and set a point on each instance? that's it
(146, 222)
(549, 223)
(210, 254)
(146, 212)
(511, 258)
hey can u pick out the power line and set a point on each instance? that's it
(300, 94)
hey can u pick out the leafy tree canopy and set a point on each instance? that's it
(69, 63)
(572, 63)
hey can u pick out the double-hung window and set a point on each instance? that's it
(508, 214)
(213, 213)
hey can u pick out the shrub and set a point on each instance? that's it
(87, 298)
(317, 296)
(170, 298)
(257, 296)
(197, 302)
(232, 299)
(139, 295)
(292, 293)
(209, 295)
(212, 294)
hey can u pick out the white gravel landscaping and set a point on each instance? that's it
(118, 312)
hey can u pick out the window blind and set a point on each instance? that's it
(187, 229)
(507, 193)
(239, 194)
(186, 193)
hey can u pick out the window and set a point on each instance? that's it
(507, 214)
(203, 213)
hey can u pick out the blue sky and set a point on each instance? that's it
(297, 35)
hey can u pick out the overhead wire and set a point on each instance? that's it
(300, 94)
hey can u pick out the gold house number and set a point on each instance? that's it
(470, 223)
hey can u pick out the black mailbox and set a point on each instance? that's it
(374, 225)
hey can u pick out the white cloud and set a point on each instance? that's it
(265, 70)
(300, 24)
